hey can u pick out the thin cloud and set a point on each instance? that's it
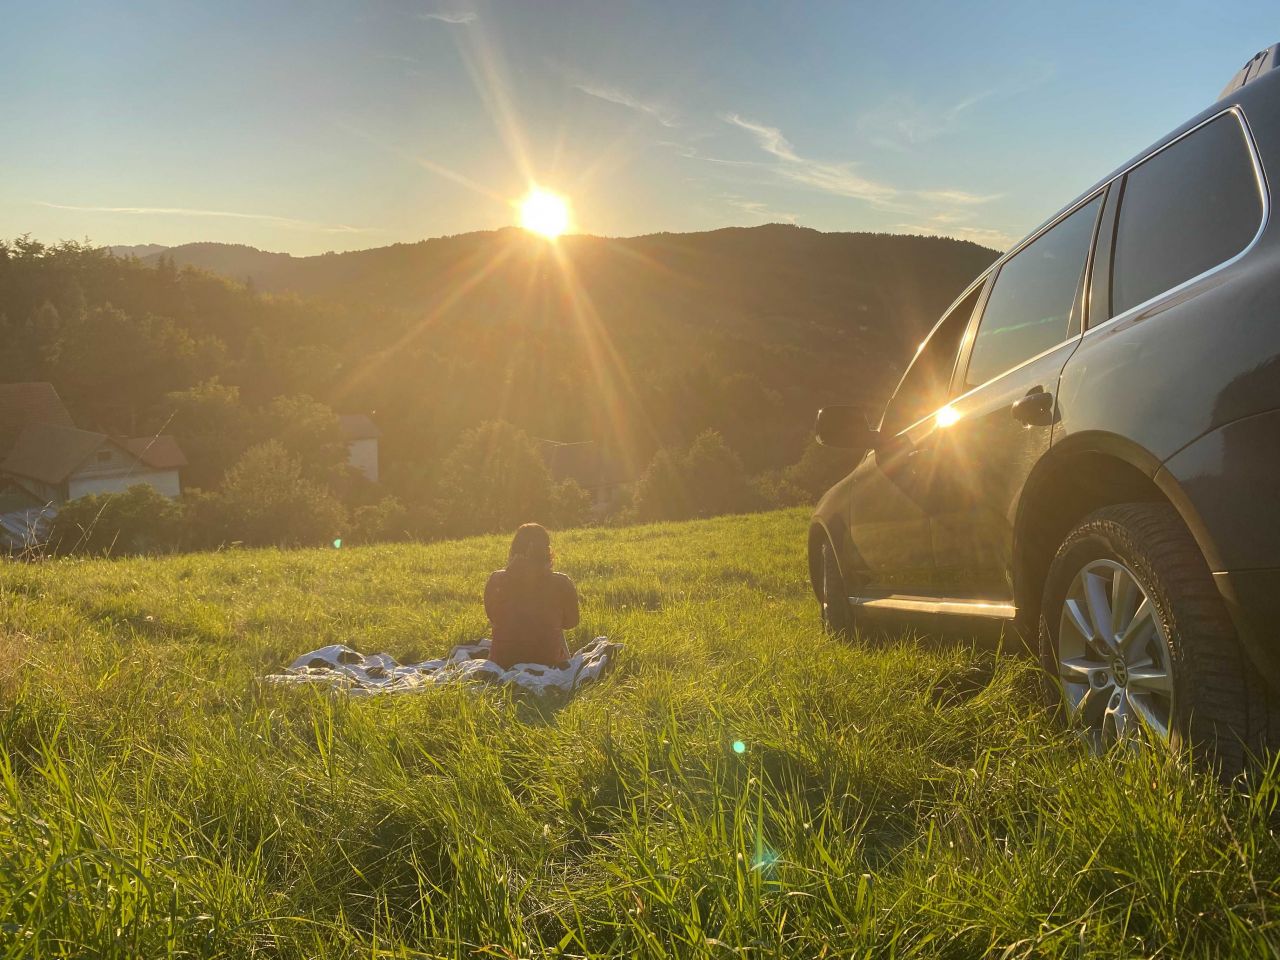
(957, 197)
(985, 236)
(288, 222)
(758, 209)
(457, 19)
(839, 179)
(610, 94)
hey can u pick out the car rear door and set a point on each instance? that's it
(984, 443)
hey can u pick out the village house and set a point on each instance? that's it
(361, 435)
(59, 464)
(588, 465)
(44, 455)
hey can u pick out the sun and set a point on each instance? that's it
(544, 212)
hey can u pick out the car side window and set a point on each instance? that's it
(1185, 210)
(924, 386)
(1032, 302)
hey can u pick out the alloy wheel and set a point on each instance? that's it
(1113, 657)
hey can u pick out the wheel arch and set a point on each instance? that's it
(1081, 474)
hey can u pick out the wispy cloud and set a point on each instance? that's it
(941, 227)
(840, 179)
(611, 94)
(757, 209)
(287, 222)
(902, 123)
(459, 18)
(959, 198)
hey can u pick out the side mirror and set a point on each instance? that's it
(845, 427)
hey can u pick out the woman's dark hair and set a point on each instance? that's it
(530, 548)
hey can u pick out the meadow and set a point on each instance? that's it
(740, 786)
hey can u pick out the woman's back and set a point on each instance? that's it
(530, 607)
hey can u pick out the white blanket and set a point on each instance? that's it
(360, 675)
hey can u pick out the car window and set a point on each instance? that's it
(1183, 211)
(1031, 304)
(924, 386)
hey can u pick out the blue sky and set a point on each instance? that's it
(314, 126)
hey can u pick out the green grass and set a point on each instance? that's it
(157, 800)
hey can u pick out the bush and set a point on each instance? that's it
(570, 505)
(139, 520)
(265, 501)
(706, 480)
(494, 480)
(385, 520)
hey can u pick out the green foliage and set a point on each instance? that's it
(139, 520)
(708, 479)
(382, 521)
(570, 505)
(894, 800)
(308, 430)
(493, 480)
(806, 480)
(743, 331)
(265, 500)
(214, 425)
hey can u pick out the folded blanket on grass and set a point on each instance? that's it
(360, 675)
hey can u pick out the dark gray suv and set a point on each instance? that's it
(1087, 446)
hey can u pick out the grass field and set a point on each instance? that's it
(891, 800)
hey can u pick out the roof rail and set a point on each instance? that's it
(1259, 64)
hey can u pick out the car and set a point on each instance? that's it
(1086, 449)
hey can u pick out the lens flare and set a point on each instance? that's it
(947, 416)
(739, 747)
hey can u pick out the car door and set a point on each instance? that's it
(982, 446)
(889, 525)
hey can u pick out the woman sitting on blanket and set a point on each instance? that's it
(529, 605)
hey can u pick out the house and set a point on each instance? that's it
(26, 404)
(56, 463)
(361, 435)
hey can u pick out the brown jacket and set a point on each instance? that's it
(529, 611)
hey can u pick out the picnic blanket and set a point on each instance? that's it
(359, 674)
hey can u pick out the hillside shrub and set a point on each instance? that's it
(266, 501)
(706, 480)
(494, 480)
(139, 520)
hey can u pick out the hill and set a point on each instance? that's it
(887, 800)
(634, 344)
(637, 342)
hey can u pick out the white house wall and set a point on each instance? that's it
(363, 455)
(164, 481)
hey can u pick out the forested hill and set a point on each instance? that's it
(636, 344)
(806, 317)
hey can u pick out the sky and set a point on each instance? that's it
(325, 125)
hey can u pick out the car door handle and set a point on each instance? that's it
(1036, 409)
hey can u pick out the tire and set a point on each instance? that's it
(837, 614)
(1172, 670)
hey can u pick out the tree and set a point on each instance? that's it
(211, 424)
(570, 504)
(715, 478)
(706, 480)
(494, 480)
(308, 430)
(660, 492)
(265, 500)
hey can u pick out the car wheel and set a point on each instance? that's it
(1139, 645)
(837, 614)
